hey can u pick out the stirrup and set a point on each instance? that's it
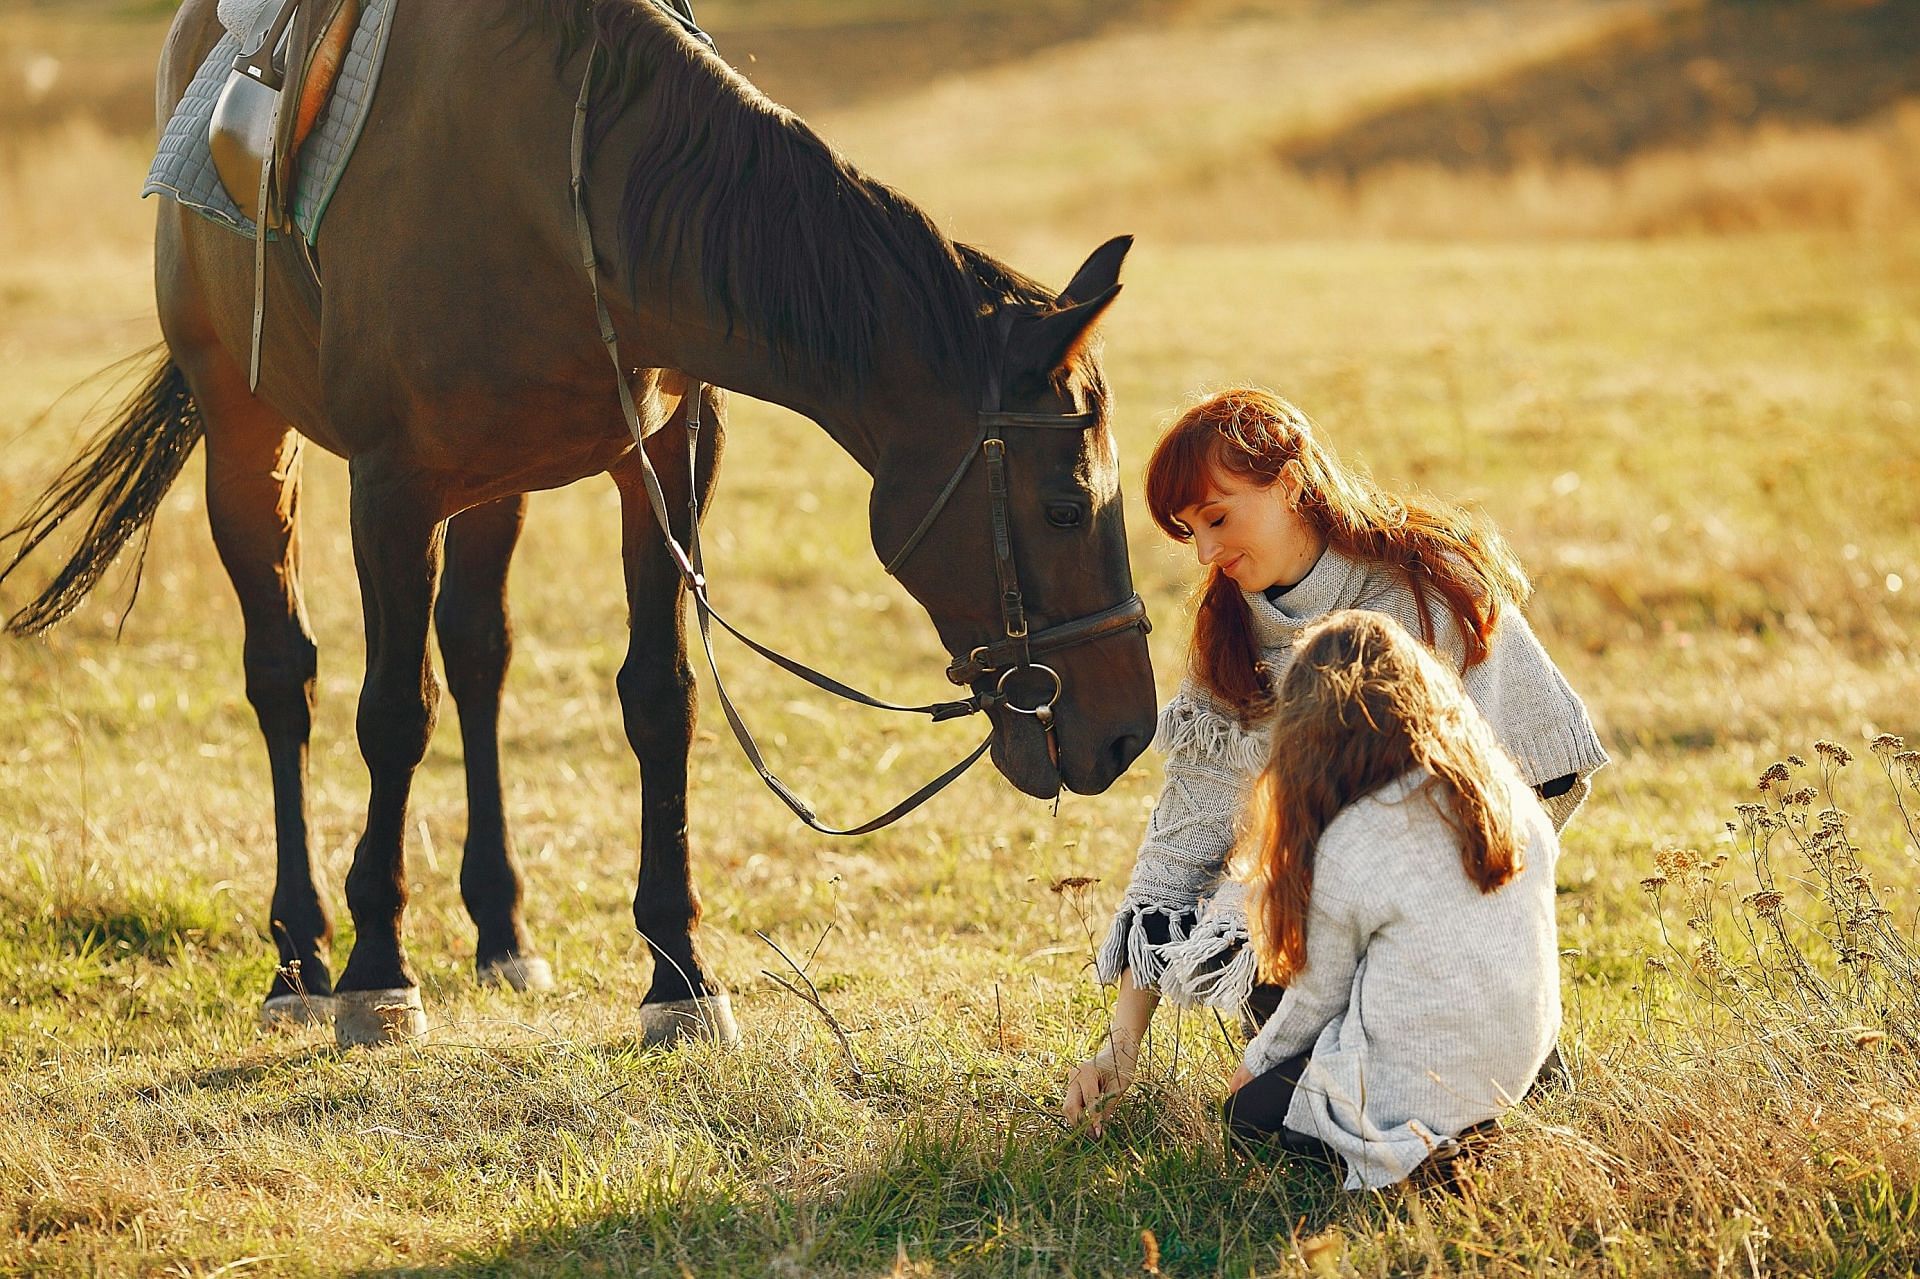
(240, 137)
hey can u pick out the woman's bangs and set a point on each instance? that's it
(1225, 434)
(1180, 474)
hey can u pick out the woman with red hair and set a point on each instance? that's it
(1288, 535)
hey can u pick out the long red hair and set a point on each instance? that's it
(1362, 704)
(1440, 547)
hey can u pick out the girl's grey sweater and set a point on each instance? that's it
(1427, 1005)
(1211, 761)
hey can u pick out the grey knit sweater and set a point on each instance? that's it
(1428, 1005)
(1211, 760)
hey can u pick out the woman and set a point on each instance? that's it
(1288, 535)
(1401, 889)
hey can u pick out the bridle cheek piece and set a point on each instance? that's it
(1000, 661)
(1017, 648)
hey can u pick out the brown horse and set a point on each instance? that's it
(453, 360)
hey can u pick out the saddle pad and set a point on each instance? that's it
(241, 16)
(183, 165)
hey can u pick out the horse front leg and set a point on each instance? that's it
(476, 643)
(397, 541)
(657, 700)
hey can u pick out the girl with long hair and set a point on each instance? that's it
(1287, 535)
(1400, 887)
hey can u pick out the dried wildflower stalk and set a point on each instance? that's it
(1810, 961)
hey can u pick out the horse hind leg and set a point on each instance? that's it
(657, 702)
(253, 506)
(476, 644)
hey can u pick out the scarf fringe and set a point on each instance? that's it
(1128, 947)
(1214, 968)
(1194, 724)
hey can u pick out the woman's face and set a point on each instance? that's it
(1253, 532)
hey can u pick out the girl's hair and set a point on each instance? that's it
(1254, 434)
(1362, 704)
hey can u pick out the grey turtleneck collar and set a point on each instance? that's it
(1334, 582)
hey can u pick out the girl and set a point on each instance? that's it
(1401, 889)
(1289, 535)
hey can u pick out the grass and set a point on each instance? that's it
(1700, 447)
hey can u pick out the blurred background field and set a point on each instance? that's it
(1641, 279)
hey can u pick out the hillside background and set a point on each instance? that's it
(1642, 280)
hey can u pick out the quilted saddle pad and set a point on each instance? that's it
(183, 165)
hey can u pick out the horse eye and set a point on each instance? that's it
(1065, 514)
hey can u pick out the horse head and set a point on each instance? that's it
(1017, 547)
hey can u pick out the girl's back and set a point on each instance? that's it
(1427, 1005)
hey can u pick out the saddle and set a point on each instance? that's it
(253, 136)
(290, 62)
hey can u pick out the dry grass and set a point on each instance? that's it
(1700, 445)
(1089, 134)
(1859, 180)
(1269, 118)
(1315, 122)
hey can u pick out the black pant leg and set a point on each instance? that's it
(1259, 1108)
(1263, 1003)
(1256, 1115)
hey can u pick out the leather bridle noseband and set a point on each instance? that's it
(989, 669)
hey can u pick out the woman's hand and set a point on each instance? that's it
(1241, 1078)
(1094, 1085)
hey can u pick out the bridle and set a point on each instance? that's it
(991, 669)
(1017, 647)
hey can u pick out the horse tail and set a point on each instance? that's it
(120, 477)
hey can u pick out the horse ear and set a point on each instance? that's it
(1043, 343)
(1100, 272)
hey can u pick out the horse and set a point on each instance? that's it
(450, 355)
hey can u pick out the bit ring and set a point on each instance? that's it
(1041, 710)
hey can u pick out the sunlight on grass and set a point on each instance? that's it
(1700, 446)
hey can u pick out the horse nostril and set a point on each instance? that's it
(1127, 749)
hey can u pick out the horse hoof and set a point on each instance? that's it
(376, 1017)
(293, 1012)
(707, 1017)
(523, 973)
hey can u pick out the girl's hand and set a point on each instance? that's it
(1094, 1085)
(1241, 1078)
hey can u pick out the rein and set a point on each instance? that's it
(1007, 657)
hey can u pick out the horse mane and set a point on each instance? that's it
(792, 241)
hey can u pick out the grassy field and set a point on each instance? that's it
(1701, 446)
